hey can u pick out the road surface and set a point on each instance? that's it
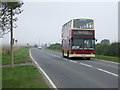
(67, 73)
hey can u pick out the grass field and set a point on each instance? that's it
(0, 59)
(108, 58)
(53, 50)
(20, 56)
(22, 77)
(99, 57)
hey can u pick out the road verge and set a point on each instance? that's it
(23, 74)
(46, 77)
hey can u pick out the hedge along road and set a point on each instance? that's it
(66, 73)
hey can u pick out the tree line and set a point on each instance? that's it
(112, 49)
(106, 49)
(55, 46)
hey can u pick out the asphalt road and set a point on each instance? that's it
(76, 73)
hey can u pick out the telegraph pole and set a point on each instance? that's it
(39, 42)
(12, 40)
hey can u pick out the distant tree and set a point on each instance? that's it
(113, 49)
(102, 49)
(35, 45)
(27, 44)
(46, 45)
(55, 46)
(105, 41)
(119, 50)
(108, 49)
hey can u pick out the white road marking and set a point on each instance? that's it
(107, 72)
(52, 55)
(53, 85)
(58, 57)
(108, 61)
(86, 65)
(73, 61)
(65, 59)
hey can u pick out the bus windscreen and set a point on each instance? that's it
(83, 23)
(86, 44)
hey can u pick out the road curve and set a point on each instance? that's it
(75, 73)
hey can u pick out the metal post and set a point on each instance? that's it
(12, 59)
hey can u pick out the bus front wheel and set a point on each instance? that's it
(63, 54)
(68, 54)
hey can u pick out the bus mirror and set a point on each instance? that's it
(96, 40)
(69, 41)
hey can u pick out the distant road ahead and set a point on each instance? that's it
(66, 73)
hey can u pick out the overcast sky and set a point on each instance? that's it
(42, 21)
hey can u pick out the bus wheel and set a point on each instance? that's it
(88, 58)
(63, 54)
(68, 54)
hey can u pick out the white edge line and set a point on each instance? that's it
(108, 61)
(108, 72)
(53, 85)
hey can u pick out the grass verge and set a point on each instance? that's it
(100, 57)
(108, 58)
(22, 77)
(53, 50)
(20, 56)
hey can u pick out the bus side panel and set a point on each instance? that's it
(66, 41)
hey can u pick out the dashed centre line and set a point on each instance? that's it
(86, 65)
(107, 72)
(73, 61)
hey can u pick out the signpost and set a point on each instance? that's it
(16, 41)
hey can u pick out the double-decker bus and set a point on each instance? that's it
(78, 38)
